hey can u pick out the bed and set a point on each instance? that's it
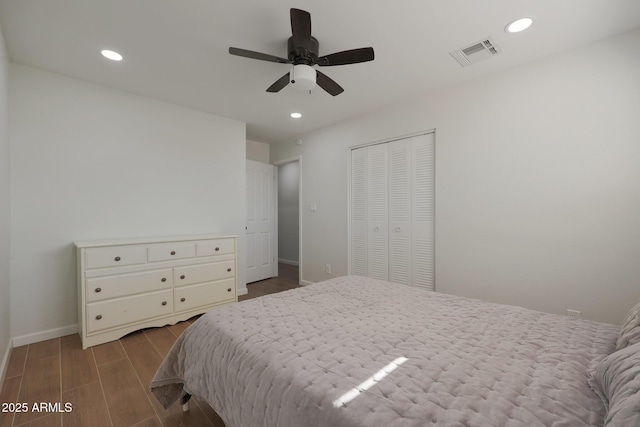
(355, 351)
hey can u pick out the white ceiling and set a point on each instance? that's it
(177, 50)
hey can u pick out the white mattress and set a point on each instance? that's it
(295, 358)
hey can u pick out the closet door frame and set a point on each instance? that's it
(350, 187)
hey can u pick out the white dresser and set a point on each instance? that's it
(130, 284)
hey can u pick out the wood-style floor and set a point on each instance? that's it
(106, 385)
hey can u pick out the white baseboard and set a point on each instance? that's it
(243, 291)
(306, 283)
(4, 364)
(288, 262)
(44, 335)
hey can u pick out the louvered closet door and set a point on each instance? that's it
(392, 211)
(359, 212)
(423, 241)
(377, 210)
(400, 192)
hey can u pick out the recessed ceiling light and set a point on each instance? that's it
(112, 55)
(519, 25)
(295, 115)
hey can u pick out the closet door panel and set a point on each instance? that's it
(400, 211)
(423, 212)
(377, 210)
(359, 212)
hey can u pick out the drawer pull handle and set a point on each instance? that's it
(183, 299)
(228, 289)
(217, 249)
(98, 289)
(173, 252)
(229, 269)
(164, 303)
(182, 277)
(99, 316)
(117, 259)
(164, 279)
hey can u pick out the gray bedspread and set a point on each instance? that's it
(355, 351)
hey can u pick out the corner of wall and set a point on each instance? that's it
(258, 151)
(4, 363)
(5, 209)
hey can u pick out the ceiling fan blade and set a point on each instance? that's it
(301, 28)
(257, 55)
(279, 84)
(352, 56)
(328, 84)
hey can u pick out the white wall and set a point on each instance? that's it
(257, 151)
(5, 205)
(288, 212)
(537, 182)
(89, 162)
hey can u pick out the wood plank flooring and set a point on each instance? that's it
(107, 385)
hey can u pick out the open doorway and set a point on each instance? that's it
(289, 238)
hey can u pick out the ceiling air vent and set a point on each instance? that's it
(476, 52)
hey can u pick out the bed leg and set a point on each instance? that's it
(185, 402)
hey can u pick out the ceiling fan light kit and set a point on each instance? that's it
(303, 55)
(303, 77)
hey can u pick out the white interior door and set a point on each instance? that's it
(423, 244)
(359, 222)
(392, 213)
(261, 222)
(400, 257)
(378, 212)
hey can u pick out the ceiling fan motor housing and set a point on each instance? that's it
(301, 55)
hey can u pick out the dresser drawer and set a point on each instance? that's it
(215, 247)
(105, 287)
(192, 274)
(120, 311)
(115, 256)
(190, 297)
(171, 251)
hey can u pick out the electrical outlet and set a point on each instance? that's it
(327, 268)
(573, 313)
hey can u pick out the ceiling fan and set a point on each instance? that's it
(303, 55)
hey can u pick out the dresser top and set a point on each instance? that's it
(143, 240)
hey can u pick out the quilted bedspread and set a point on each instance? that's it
(355, 351)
